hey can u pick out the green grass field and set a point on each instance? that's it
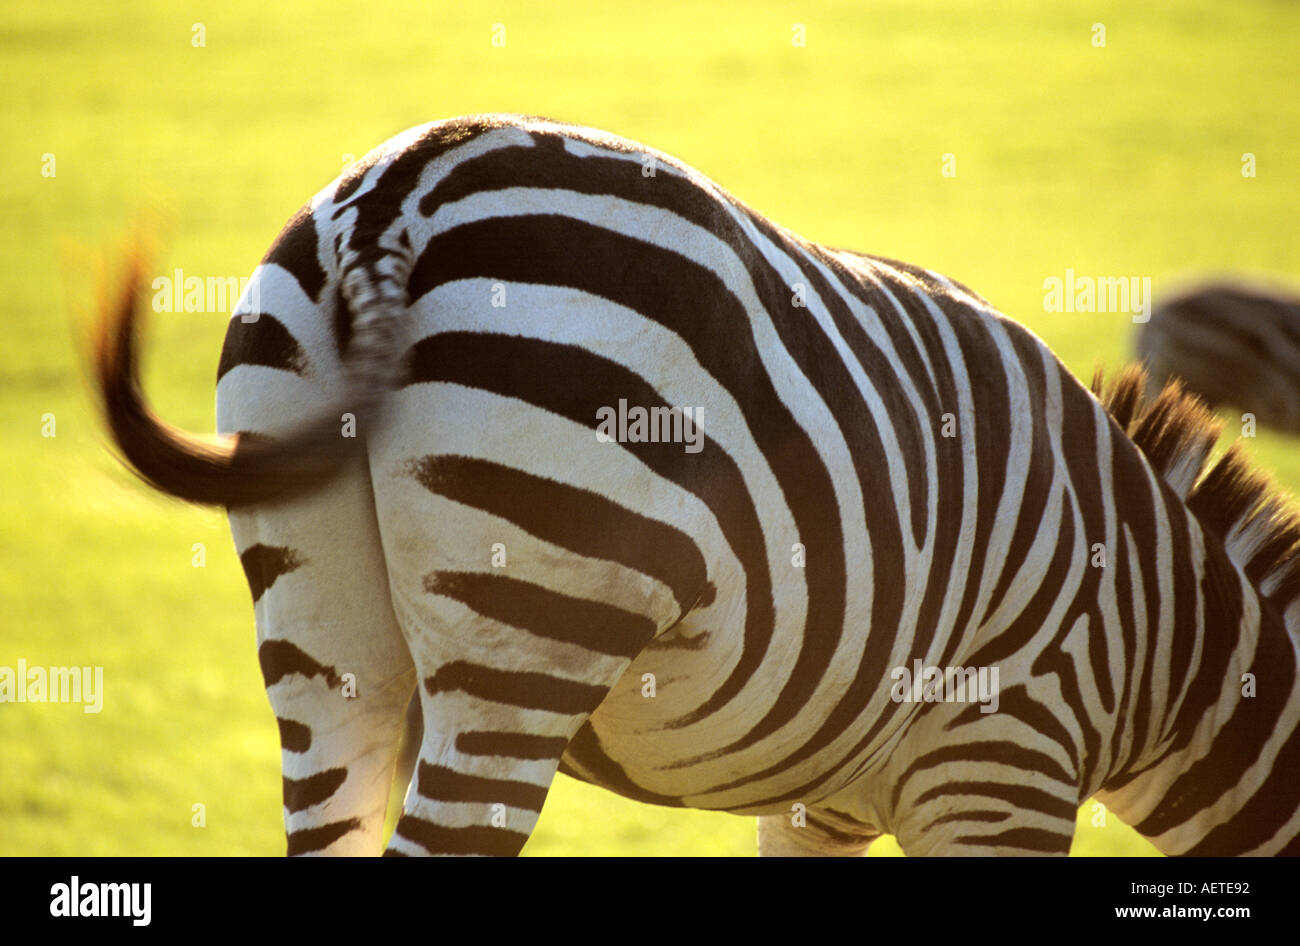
(1119, 160)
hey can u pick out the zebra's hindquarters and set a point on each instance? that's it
(524, 579)
(517, 630)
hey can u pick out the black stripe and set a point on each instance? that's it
(667, 641)
(381, 205)
(278, 659)
(295, 250)
(312, 790)
(476, 839)
(514, 688)
(838, 836)
(983, 817)
(599, 769)
(350, 181)
(264, 341)
(1028, 839)
(591, 624)
(317, 839)
(439, 783)
(341, 322)
(566, 516)
(263, 564)
(512, 745)
(1019, 796)
(545, 163)
(294, 737)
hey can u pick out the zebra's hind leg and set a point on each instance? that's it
(969, 826)
(974, 809)
(985, 777)
(335, 664)
(496, 722)
(813, 833)
(513, 653)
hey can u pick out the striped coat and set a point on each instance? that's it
(880, 473)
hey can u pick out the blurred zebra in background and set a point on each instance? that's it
(1234, 345)
(889, 498)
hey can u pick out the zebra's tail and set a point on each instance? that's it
(225, 471)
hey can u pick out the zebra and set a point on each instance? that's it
(891, 473)
(1232, 344)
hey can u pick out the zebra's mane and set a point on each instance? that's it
(1257, 522)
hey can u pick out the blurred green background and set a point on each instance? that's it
(1117, 160)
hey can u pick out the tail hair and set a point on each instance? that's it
(226, 471)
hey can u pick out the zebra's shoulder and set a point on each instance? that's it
(1239, 504)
